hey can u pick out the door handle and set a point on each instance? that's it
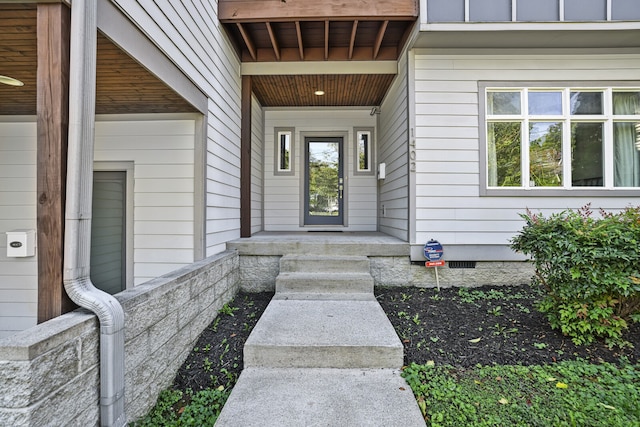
(340, 190)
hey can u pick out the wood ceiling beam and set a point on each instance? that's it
(274, 41)
(379, 37)
(354, 28)
(247, 41)
(279, 10)
(326, 40)
(300, 44)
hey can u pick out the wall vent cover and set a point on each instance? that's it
(462, 264)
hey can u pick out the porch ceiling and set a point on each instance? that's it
(122, 85)
(286, 31)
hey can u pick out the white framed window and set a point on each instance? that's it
(284, 151)
(550, 138)
(364, 151)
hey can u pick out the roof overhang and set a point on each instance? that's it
(508, 35)
(348, 48)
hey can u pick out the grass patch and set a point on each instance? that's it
(570, 393)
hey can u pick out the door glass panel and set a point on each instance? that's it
(324, 179)
(108, 232)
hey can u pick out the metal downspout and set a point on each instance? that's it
(77, 283)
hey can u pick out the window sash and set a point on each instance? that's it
(567, 121)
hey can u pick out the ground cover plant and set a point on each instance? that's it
(486, 357)
(453, 338)
(205, 379)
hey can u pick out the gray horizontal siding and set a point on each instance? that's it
(531, 11)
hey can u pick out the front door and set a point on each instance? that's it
(108, 231)
(324, 181)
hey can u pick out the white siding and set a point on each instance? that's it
(393, 151)
(18, 276)
(192, 37)
(282, 193)
(448, 205)
(257, 170)
(163, 155)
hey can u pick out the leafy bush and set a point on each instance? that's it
(589, 268)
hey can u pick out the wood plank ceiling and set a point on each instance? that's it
(262, 30)
(311, 30)
(122, 85)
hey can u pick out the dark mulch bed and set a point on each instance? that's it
(488, 325)
(457, 326)
(216, 359)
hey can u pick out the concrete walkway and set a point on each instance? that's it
(322, 354)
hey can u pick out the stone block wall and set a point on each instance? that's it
(49, 374)
(259, 272)
(399, 271)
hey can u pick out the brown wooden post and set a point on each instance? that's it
(245, 158)
(54, 23)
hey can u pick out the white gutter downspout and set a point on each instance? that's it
(77, 236)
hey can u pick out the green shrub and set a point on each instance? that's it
(589, 269)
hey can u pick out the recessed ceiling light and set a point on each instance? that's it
(319, 92)
(10, 81)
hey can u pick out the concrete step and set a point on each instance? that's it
(324, 282)
(320, 397)
(325, 264)
(323, 296)
(323, 334)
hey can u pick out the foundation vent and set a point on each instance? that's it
(462, 264)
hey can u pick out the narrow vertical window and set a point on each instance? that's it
(283, 153)
(364, 151)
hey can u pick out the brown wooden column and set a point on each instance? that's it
(54, 23)
(245, 159)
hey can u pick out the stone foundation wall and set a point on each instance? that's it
(398, 271)
(49, 374)
(258, 273)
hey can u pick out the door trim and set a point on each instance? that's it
(301, 147)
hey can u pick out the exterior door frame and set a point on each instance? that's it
(342, 138)
(128, 168)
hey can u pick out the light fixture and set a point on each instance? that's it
(10, 81)
(374, 110)
(319, 92)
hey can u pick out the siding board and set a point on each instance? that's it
(282, 193)
(448, 205)
(18, 276)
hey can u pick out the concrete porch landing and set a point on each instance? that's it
(367, 243)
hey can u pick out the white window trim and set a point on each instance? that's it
(566, 86)
(277, 167)
(356, 138)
